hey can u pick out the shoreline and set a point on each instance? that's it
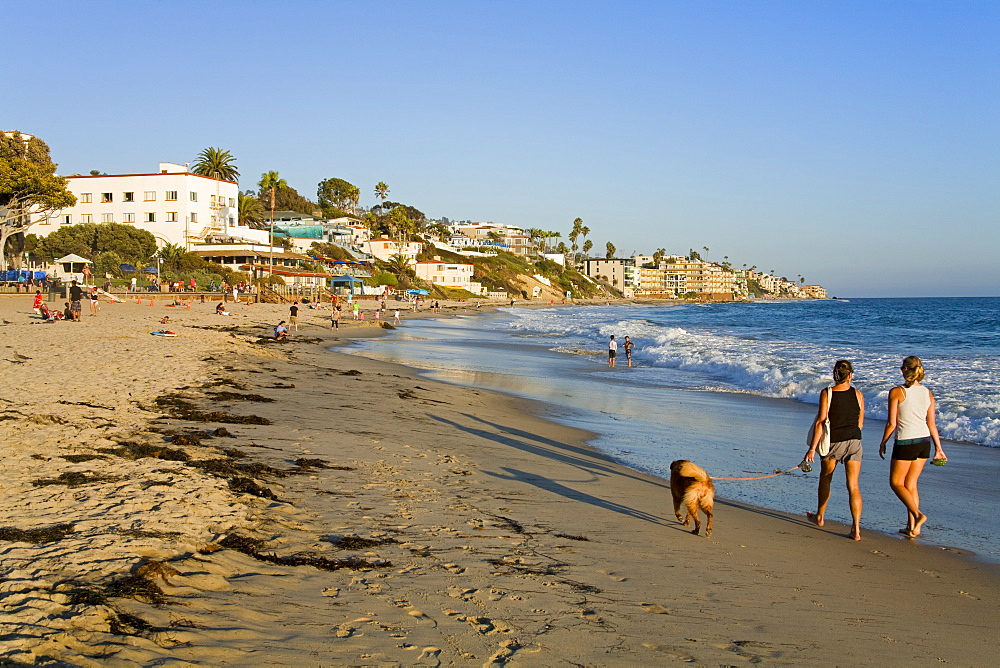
(510, 540)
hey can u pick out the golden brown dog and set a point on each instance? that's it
(692, 488)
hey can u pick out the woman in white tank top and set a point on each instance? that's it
(912, 418)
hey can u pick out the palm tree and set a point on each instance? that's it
(270, 181)
(381, 191)
(587, 245)
(171, 255)
(611, 250)
(584, 231)
(248, 210)
(575, 234)
(217, 164)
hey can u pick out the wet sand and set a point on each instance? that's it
(374, 517)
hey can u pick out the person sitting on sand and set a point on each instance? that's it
(844, 406)
(165, 320)
(67, 313)
(281, 331)
(912, 416)
(37, 304)
(220, 309)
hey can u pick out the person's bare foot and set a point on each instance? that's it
(855, 534)
(815, 518)
(916, 527)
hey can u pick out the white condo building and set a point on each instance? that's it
(175, 205)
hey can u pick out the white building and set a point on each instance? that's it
(448, 275)
(176, 206)
(384, 249)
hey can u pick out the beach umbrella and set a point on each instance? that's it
(151, 270)
(127, 268)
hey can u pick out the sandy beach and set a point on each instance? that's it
(218, 498)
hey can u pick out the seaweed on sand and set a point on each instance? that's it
(251, 548)
(238, 396)
(248, 486)
(305, 464)
(72, 479)
(358, 543)
(182, 409)
(36, 536)
(132, 450)
(228, 382)
(76, 459)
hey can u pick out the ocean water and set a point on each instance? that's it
(734, 387)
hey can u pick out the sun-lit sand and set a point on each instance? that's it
(373, 517)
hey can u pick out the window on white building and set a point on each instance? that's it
(107, 217)
(194, 196)
(232, 201)
(86, 218)
(194, 218)
(86, 198)
(171, 216)
(149, 217)
(106, 198)
(149, 196)
(128, 217)
(67, 220)
(128, 197)
(171, 196)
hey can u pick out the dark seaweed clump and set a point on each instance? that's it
(125, 624)
(306, 464)
(571, 536)
(36, 536)
(251, 548)
(222, 432)
(72, 479)
(183, 409)
(358, 543)
(137, 587)
(248, 486)
(238, 396)
(132, 450)
(76, 459)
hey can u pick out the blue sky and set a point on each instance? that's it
(854, 143)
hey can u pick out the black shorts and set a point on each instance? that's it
(612, 354)
(911, 448)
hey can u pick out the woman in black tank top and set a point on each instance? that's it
(845, 407)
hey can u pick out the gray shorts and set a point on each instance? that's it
(846, 451)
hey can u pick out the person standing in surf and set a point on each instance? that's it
(612, 350)
(844, 406)
(628, 346)
(912, 416)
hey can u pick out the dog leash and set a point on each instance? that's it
(773, 475)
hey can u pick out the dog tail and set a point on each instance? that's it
(692, 470)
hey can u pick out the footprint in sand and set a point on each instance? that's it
(429, 656)
(655, 609)
(671, 653)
